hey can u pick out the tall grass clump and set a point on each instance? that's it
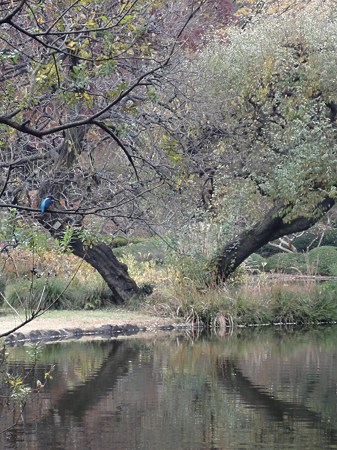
(246, 304)
(326, 302)
(292, 303)
(56, 293)
(186, 301)
(324, 260)
(291, 306)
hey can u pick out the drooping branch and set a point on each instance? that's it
(119, 142)
(22, 161)
(26, 129)
(82, 211)
(13, 13)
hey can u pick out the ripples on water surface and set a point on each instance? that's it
(258, 389)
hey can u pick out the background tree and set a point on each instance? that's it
(79, 117)
(265, 127)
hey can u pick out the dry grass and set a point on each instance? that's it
(56, 320)
(252, 300)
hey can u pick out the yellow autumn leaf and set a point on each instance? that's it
(71, 45)
(91, 23)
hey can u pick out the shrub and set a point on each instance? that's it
(197, 268)
(308, 240)
(266, 251)
(326, 303)
(306, 305)
(287, 263)
(56, 292)
(323, 260)
(256, 263)
(311, 239)
(119, 241)
(145, 250)
(291, 306)
(187, 301)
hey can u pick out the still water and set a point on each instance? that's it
(256, 389)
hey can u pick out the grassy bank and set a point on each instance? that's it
(249, 303)
(71, 319)
(177, 292)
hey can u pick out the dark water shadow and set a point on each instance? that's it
(286, 412)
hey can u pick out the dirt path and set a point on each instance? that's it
(85, 320)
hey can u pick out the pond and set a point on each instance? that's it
(260, 388)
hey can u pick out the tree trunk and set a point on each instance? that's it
(271, 227)
(99, 256)
(115, 274)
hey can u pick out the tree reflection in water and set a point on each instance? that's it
(262, 389)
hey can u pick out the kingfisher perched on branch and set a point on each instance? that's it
(47, 203)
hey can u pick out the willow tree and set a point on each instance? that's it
(78, 84)
(266, 116)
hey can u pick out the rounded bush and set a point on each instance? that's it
(197, 268)
(256, 263)
(287, 263)
(323, 260)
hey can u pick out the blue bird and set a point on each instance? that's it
(47, 203)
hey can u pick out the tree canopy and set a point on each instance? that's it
(266, 114)
(133, 112)
(80, 117)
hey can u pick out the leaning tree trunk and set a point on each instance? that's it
(115, 274)
(271, 227)
(99, 256)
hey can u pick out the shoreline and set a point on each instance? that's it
(64, 325)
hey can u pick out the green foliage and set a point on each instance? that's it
(187, 301)
(291, 306)
(19, 391)
(248, 304)
(319, 261)
(323, 260)
(294, 263)
(305, 305)
(312, 238)
(14, 230)
(146, 288)
(140, 249)
(8, 225)
(119, 242)
(249, 311)
(57, 293)
(255, 263)
(63, 243)
(34, 352)
(306, 241)
(197, 268)
(325, 305)
(268, 89)
(32, 237)
(87, 236)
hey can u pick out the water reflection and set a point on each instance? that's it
(257, 389)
